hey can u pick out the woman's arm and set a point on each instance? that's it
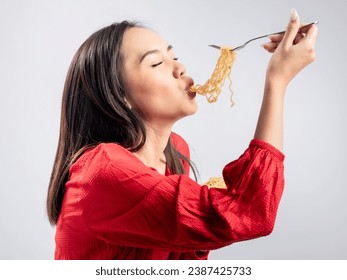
(113, 198)
(292, 52)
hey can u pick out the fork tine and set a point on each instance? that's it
(214, 46)
(234, 49)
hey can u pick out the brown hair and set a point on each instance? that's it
(94, 110)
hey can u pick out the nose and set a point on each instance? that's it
(190, 82)
(179, 69)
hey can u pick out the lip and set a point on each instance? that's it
(191, 93)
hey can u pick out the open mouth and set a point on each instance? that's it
(191, 93)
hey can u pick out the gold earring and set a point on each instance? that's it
(127, 103)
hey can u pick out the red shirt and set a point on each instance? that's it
(115, 207)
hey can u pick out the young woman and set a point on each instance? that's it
(120, 186)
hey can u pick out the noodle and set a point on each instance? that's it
(216, 182)
(213, 87)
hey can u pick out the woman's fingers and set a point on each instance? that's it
(270, 46)
(298, 38)
(311, 34)
(306, 28)
(301, 34)
(276, 37)
(293, 52)
(292, 29)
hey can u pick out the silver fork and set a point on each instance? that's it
(267, 35)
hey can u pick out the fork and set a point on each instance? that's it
(260, 37)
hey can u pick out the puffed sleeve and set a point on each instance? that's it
(133, 205)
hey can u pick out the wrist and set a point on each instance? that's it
(275, 86)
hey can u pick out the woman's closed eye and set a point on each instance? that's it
(157, 64)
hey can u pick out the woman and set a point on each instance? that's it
(120, 187)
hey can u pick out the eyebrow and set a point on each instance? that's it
(169, 47)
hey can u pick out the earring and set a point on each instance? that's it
(127, 103)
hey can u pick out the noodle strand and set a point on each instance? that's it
(213, 87)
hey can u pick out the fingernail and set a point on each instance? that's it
(293, 15)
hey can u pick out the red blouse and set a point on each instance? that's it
(115, 207)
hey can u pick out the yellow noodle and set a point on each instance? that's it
(213, 87)
(216, 182)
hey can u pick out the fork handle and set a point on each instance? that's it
(275, 33)
(300, 29)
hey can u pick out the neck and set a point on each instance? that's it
(152, 153)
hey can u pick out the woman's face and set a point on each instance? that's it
(157, 83)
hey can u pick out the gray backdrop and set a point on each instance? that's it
(38, 40)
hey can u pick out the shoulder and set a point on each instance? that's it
(105, 152)
(98, 160)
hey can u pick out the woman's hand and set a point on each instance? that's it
(292, 51)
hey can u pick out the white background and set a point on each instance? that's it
(38, 40)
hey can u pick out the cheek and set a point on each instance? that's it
(155, 93)
(155, 89)
(144, 96)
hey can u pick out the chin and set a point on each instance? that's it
(193, 108)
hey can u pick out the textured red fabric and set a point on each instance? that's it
(115, 207)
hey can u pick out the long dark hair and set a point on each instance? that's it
(94, 110)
